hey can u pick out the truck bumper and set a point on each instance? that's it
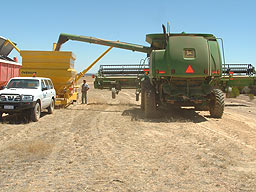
(10, 107)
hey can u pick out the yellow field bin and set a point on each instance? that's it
(56, 65)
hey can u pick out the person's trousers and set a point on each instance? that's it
(84, 97)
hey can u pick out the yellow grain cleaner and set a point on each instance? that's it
(59, 67)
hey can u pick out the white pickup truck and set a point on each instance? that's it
(30, 94)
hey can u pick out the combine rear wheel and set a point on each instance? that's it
(216, 107)
(150, 103)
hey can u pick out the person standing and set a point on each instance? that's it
(85, 88)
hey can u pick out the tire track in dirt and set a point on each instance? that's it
(214, 161)
(223, 134)
(104, 149)
(24, 147)
(236, 127)
(60, 167)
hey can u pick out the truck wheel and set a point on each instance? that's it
(51, 107)
(113, 90)
(36, 112)
(150, 103)
(216, 107)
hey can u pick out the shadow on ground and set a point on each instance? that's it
(95, 107)
(19, 118)
(236, 105)
(136, 114)
(166, 115)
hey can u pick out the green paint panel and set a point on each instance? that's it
(187, 56)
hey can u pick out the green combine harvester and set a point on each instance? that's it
(183, 70)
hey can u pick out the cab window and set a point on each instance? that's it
(50, 84)
(47, 84)
(43, 84)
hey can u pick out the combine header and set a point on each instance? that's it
(184, 70)
(117, 77)
(241, 76)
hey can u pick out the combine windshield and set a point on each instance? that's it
(23, 84)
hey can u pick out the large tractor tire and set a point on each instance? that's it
(217, 104)
(150, 103)
(36, 112)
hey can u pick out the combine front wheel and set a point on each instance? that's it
(217, 103)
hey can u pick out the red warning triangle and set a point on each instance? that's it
(189, 69)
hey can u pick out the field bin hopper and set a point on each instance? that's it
(58, 66)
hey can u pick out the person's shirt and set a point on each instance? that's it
(85, 87)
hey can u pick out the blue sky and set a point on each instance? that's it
(36, 25)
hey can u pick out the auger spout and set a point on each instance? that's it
(122, 45)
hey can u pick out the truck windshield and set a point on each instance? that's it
(23, 84)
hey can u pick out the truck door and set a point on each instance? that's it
(48, 93)
(44, 94)
(52, 94)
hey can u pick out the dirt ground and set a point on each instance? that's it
(108, 145)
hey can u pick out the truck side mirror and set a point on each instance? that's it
(2, 87)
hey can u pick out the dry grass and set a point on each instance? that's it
(32, 150)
